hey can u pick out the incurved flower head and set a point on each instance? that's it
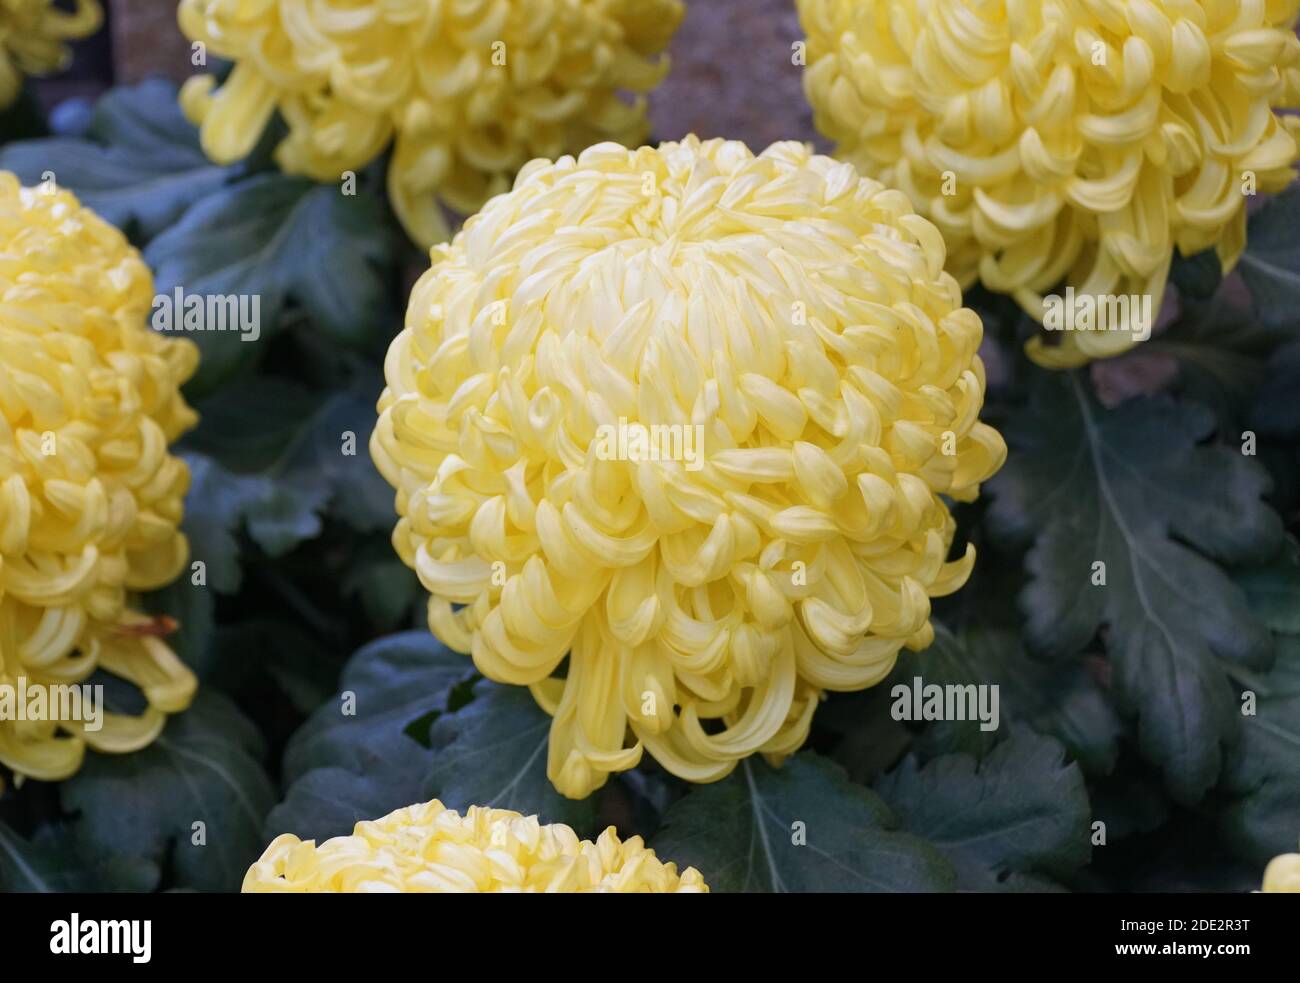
(32, 36)
(684, 415)
(89, 497)
(1282, 875)
(466, 92)
(432, 849)
(1065, 141)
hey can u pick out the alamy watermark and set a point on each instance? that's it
(930, 701)
(181, 311)
(1098, 312)
(73, 936)
(54, 701)
(636, 442)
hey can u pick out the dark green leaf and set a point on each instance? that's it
(1013, 821)
(285, 513)
(1222, 353)
(387, 588)
(1061, 698)
(1263, 772)
(1276, 409)
(278, 239)
(1271, 263)
(310, 457)
(249, 426)
(1198, 276)
(492, 752)
(342, 768)
(870, 740)
(335, 451)
(140, 166)
(31, 868)
(203, 768)
(1273, 589)
(1134, 488)
(214, 508)
(743, 834)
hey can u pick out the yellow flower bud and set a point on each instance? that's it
(1282, 875)
(465, 92)
(32, 36)
(90, 499)
(683, 416)
(430, 848)
(1061, 142)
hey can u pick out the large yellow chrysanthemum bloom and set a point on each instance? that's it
(1064, 141)
(89, 497)
(32, 36)
(1282, 875)
(684, 415)
(467, 92)
(432, 849)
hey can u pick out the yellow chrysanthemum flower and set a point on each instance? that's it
(1065, 141)
(467, 92)
(432, 849)
(32, 36)
(1282, 875)
(684, 415)
(89, 497)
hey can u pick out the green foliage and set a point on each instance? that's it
(1199, 276)
(953, 824)
(279, 239)
(204, 769)
(355, 757)
(492, 752)
(1222, 353)
(1271, 263)
(1263, 773)
(1135, 490)
(1273, 590)
(137, 164)
(1262, 777)
(1008, 822)
(279, 488)
(1276, 410)
(39, 868)
(744, 832)
(1060, 698)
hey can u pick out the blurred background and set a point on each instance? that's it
(739, 53)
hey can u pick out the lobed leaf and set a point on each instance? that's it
(1013, 821)
(204, 768)
(339, 767)
(139, 165)
(279, 239)
(1136, 489)
(1270, 264)
(742, 834)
